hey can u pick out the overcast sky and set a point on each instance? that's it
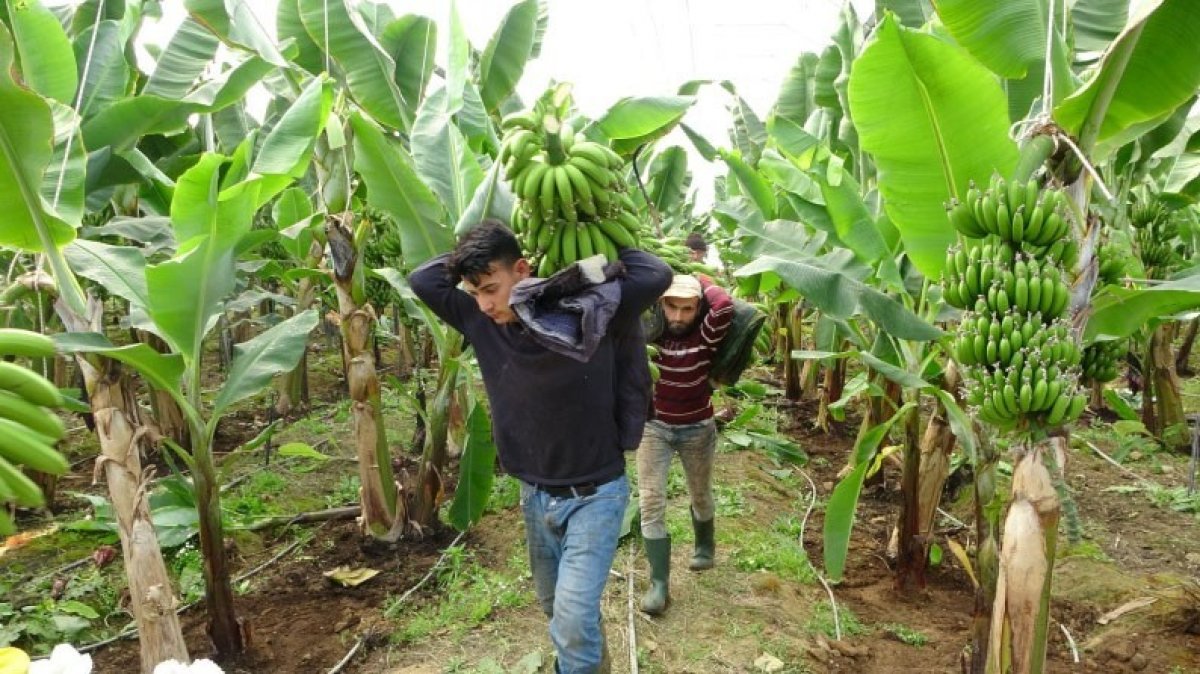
(619, 48)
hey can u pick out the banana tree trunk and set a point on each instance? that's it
(224, 628)
(988, 506)
(1162, 406)
(910, 564)
(1096, 403)
(936, 446)
(428, 491)
(117, 424)
(793, 317)
(167, 414)
(406, 359)
(832, 386)
(1021, 611)
(153, 599)
(291, 389)
(382, 503)
(1182, 358)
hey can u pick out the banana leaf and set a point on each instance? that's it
(1150, 70)
(933, 118)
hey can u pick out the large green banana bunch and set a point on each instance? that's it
(572, 202)
(1003, 280)
(1020, 360)
(28, 427)
(1013, 211)
(1039, 389)
(1100, 360)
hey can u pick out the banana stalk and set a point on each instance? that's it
(1162, 412)
(167, 414)
(435, 454)
(792, 317)
(1021, 610)
(115, 410)
(1182, 358)
(936, 446)
(910, 566)
(379, 491)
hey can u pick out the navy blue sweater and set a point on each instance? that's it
(554, 419)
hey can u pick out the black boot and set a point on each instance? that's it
(705, 552)
(658, 551)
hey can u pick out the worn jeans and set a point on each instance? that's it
(696, 445)
(572, 542)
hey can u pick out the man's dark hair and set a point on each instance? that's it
(491, 242)
(695, 241)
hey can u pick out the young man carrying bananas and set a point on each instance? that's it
(697, 315)
(558, 421)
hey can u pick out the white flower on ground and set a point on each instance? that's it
(63, 659)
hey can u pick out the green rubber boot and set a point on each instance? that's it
(703, 556)
(658, 551)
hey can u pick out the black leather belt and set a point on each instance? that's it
(575, 490)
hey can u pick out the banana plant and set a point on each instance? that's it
(949, 139)
(211, 217)
(34, 129)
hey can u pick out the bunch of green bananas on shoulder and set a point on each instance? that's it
(572, 201)
(1100, 360)
(651, 354)
(674, 252)
(28, 426)
(1014, 211)
(563, 174)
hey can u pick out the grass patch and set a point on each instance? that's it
(468, 593)
(506, 494)
(821, 621)
(775, 550)
(905, 634)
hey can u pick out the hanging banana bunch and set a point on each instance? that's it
(28, 426)
(1101, 359)
(1155, 237)
(1020, 359)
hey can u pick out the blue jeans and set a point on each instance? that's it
(572, 542)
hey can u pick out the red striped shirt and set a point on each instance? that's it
(682, 394)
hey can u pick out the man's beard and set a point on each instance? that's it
(679, 329)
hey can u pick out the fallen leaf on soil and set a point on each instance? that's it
(25, 538)
(1127, 607)
(344, 575)
(768, 663)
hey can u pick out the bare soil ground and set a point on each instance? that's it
(761, 609)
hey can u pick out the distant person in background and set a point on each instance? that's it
(697, 247)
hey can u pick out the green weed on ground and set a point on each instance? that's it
(467, 594)
(821, 621)
(776, 550)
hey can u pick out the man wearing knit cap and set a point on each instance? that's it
(698, 314)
